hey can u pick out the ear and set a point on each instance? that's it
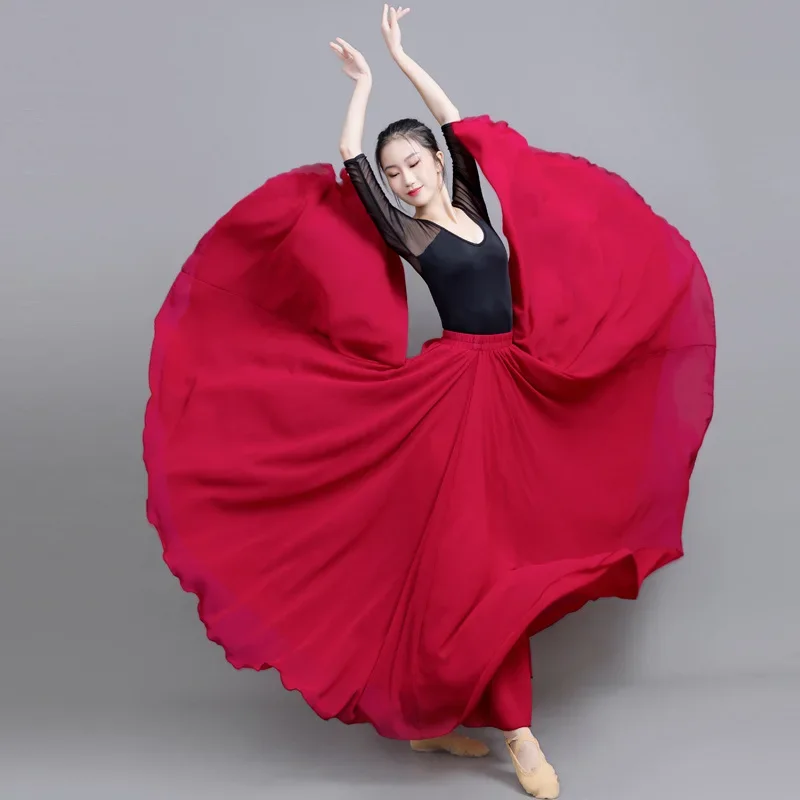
(440, 160)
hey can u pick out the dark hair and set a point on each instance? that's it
(407, 128)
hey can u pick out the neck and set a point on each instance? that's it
(439, 208)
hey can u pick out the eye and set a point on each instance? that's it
(414, 163)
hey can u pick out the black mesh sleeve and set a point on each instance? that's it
(400, 231)
(467, 192)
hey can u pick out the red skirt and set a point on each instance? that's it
(387, 532)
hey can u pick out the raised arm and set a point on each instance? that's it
(433, 95)
(467, 193)
(399, 231)
(396, 228)
(355, 66)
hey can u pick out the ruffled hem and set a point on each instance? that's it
(620, 575)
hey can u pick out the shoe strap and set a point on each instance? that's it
(525, 736)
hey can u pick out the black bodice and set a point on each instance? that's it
(469, 282)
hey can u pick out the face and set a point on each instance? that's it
(413, 172)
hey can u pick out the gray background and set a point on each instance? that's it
(126, 130)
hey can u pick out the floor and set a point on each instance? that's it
(705, 740)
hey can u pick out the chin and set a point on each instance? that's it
(417, 200)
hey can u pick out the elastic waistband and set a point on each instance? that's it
(480, 341)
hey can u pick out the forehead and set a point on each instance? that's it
(398, 150)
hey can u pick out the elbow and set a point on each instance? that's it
(347, 151)
(449, 115)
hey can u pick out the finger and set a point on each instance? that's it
(345, 45)
(385, 15)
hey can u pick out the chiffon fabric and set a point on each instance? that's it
(388, 531)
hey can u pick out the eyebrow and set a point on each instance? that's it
(410, 155)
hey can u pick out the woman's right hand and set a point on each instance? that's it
(354, 65)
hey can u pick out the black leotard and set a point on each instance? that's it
(469, 282)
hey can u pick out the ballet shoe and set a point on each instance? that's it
(541, 781)
(452, 743)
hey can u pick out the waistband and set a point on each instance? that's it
(480, 341)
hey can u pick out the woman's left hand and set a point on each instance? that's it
(390, 27)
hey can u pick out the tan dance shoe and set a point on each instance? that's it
(541, 781)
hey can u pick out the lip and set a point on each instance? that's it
(415, 191)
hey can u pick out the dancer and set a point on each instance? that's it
(387, 531)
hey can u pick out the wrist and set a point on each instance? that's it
(397, 53)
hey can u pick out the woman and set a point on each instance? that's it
(388, 532)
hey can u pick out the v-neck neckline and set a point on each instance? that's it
(452, 233)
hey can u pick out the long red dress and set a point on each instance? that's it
(386, 531)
